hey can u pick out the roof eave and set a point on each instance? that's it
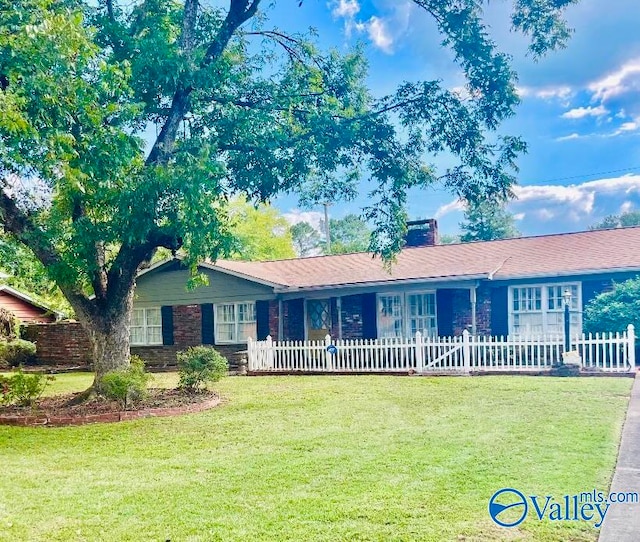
(391, 282)
(569, 273)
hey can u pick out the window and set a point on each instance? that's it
(536, 310)
(146, 326)
(422, 314)
(235, 322)
(404, 314)
(390, 321)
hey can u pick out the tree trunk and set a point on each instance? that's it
(109, 334)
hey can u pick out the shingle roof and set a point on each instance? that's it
(546, 255)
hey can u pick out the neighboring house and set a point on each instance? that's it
(24, 307)
(506, 287)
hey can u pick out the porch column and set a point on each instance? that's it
(339, 311)
(280, 322)
(472, 297)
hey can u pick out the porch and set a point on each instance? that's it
(463, 354)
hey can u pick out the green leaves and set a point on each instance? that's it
(142, 119)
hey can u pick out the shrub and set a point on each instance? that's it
(128, 386)
(614, 310)
(200, 365)
(22, 388)
(17, 352)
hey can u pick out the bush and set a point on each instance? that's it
(615, 310)
(23, 389)
(17, 352)
(128, 386)
(200, 365)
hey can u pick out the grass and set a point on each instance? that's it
(319, 459)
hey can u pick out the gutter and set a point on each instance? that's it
(372, 284)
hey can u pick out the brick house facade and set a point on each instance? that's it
(508, 287)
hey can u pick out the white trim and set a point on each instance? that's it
(145, 327)
(244, 276)
(236, 322)
(29, 299)
(212, 267)
(544, 302)
(570, 273)
(405, 309)
(386, 283)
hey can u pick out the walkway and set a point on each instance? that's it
(622, 522)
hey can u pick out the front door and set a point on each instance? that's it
(318, 319)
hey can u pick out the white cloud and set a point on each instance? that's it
(581, 112)
(574, 135)
(345, 8)
(294, 216)
(453, 206)
(379, 34)
(626, 207)
(576, 204)
(626, 78)
(562, 93)
(384, 30)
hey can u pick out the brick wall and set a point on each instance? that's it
(462, 310)
(293, 319)
(62, 343)
(351, 317)
(273, 319)
(67, 344)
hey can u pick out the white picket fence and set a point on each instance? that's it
(607, 352)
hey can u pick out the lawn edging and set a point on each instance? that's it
(44, 420)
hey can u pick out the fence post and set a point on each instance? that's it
(328, 357)
(419, 353)
(466, 351)
(270, 352)
(631, 338)
(250, 361)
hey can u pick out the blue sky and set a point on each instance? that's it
(580, 110)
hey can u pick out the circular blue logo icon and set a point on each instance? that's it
(332, 349)
(508, 507)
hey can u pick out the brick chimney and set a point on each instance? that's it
(422, 233)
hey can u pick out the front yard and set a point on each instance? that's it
(319, 458)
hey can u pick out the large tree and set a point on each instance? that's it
(348, 234)
(127, 125)
(487, 220)
(259, 232)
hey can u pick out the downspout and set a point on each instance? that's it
(280, 320)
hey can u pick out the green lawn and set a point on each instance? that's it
(319, 458)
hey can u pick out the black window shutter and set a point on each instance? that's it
(369, 316)
(500, 311)
(262, 320)
(166, 313)
(444, 312)
(207, 323)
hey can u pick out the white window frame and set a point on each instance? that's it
(575, 310)
(236, 323)
(146, 326)
(405, 312)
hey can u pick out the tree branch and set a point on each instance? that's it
(19, 224)
(240, 11)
